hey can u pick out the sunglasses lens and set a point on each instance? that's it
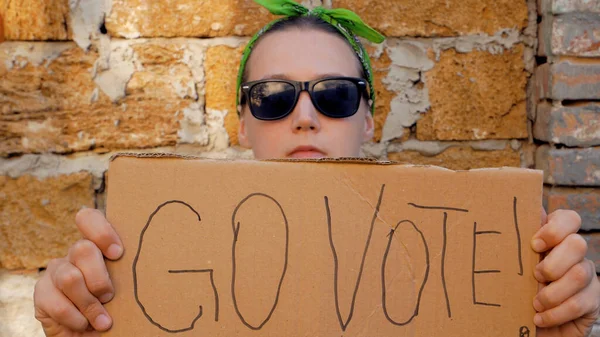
(272, 100)
(336, 98)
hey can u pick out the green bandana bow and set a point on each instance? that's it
(345, 21)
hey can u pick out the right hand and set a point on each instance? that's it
(69, 297)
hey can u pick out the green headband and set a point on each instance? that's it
(345, 21)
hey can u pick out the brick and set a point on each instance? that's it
(571, 35)
(544, 33)
(585, 201)
(32, 20)
(477, 95)
(221, 66)
(188, 18)
(576, 35)
(384, 96)
(38, 217)
(542, 79)
(439, 17)
(163, 75)
(461, 158)
(568, 6)
(569, 79)
(569, 166)
(54, 104)
(574, 125)
(593, 253)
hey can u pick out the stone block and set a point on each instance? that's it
(477, 95)
(37, 217)
(16, 304)
(221, 66)
(461, 158)
(439, 17)
(55, 97)
(185, 18)
(34, 20)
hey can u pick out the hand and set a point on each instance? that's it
(69, 296)
(568, 301)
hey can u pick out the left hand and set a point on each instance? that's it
(568, 301)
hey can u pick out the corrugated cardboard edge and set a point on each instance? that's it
(342, 160)
(181, 156)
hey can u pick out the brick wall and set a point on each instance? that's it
(456, 80)
(567, 119)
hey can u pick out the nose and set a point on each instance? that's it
(305, 116)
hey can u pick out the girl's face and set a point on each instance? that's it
(304, 55)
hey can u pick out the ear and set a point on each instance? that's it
(242, 130)
(369, 129)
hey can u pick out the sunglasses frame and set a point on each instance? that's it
(299, 87)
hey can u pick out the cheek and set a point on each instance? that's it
(345, 137)
(266, 138)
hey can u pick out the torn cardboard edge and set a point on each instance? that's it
(340, 160)
(192, 157)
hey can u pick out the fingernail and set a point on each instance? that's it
(537, 305)
(102, 322)
(105, 298)
(537, 320)
(115, 251)
(538, 245)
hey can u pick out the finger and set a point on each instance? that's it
(560, 259)
(94, 226)
(70, 281)
(583, 305)
(53, 303)
(560, 224)
(575, 280)
(544, 217)
(87, 257)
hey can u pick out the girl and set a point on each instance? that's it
(305, 91)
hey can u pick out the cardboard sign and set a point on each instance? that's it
(349, 248)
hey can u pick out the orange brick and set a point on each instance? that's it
(221, 65)
(381, 67)
(477, 95)
(56, 106)
(135, 18)
(36, 20)
(439, 17)
(38, 217)
(461, 158)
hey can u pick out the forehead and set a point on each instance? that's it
(302, 55)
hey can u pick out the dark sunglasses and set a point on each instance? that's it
(335, 97)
